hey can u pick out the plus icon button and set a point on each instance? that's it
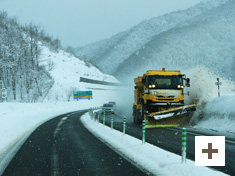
(209, 150)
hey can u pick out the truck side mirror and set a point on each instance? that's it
(188, 82)
(143, 80)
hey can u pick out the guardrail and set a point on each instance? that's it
(92, 81)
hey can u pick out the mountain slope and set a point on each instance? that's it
(109, 53)
(66, 70)
(209, 40)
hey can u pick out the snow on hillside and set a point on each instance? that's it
(208, 41)
(66, 71)
(109, 53)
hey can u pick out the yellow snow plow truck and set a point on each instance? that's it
(159, 99)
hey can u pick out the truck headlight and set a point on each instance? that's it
(180, 86)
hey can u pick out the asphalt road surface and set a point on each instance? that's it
(63, 146)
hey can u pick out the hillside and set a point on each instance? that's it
(209, 41)
(110, 53)
(66, 70)
(35, 68)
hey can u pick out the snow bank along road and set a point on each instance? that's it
(170, 140)
(63, 146)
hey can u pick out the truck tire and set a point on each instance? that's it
(134, 115)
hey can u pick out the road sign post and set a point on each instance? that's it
(218, 84)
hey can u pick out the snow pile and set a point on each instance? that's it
(158, 161)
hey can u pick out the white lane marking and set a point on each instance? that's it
(55, 162)
(58, 128)
(54, 157)
(64, 118)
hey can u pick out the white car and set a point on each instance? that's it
(108, 108)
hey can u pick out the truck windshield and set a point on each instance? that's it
(164, 82)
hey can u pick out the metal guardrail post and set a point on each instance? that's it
(184, 145)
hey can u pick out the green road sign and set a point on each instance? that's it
(82, 95)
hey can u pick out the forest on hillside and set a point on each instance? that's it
(21, 71)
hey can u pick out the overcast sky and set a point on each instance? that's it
(79, 22)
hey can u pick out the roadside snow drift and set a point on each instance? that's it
(155, 160)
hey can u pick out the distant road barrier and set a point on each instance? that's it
(92, 81)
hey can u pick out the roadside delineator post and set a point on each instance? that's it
(98, 120)
(104, 118)
(184, 145)
(94, 116)
(143, 131)
(111, 121)
(91, 114)
(124, 125)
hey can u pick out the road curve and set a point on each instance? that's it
(63, 146)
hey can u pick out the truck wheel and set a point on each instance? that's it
(134, 115)
(139, 117)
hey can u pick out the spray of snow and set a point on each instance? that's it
(204, 93)
(219, 114)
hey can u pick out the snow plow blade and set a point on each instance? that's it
(172, 112)
(170, 118)
(162, 126)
